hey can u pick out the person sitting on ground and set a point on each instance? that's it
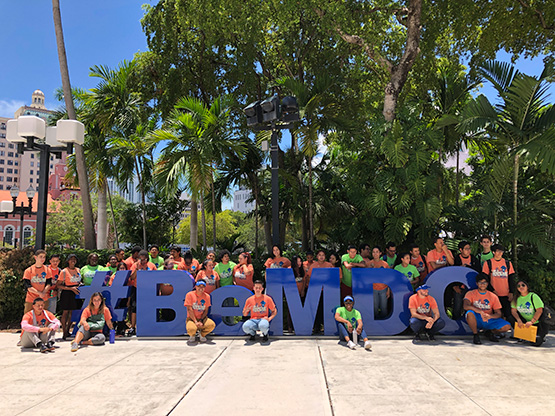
(154, 256)
(37, 280)
(91, 324)
(188, 263)
(308, 262)
(424, 314)
(55, 275)
(440, 256)
(142, 264)
(348, 261)
(132, 259)
(483, 311)
(486, 254)
(39, 327)
(419, 261)
(209, 275)
(465, 257)
(68, 283)
(382, 292)
(527, 309)
(410, 271)
(197, 303)
(262, 310)
(348, 320)
(390, 256)
(502, 277)
(243, 272)
(89, 270)
(277, 261)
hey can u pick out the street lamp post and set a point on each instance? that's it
(31, 134)
(270, 114)
(22, 210)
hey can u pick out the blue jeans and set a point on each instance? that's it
(419, 325)
(343, 332)
(252, 325)
(380, 304)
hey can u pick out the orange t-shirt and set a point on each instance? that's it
(70, 277)
(37, 276)
(193, 268)
(135, 267)
(260, 307)
(377, 264)
(423, 306)
(129, 261)
(198, 303)
(210, 280)
(486, 302)
(440, 259)
(87, 314)
(499, 275)
(318, 265)
(420, 265)
(55, 274)
(277, 263)
(307, 266)
(243, 274)
(43, 320)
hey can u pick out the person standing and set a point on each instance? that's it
(89, 270)
(68, 283)
(419, 261)
(501, 275)
(262, 310)
(243, 272)
(197, 303)
(348, 321)
(276, 260)
(440, 256)
(154, 256)
(465, 257)
(486, 254)
(348, 261)
(132, 259)
(37, 280)
(410, 271)
(39, 327)
(209, 275)
(225, 268)
(382, 292)
(390, 255)
(424, 314)
(54, 274)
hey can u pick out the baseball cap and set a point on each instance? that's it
(423, 287)
(200, 283)
(346, 298)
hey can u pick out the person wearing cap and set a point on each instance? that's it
(262, 310)
(69, 282)
(483, 311)
(424, 314)
(349, 320)
(502, 279)
(39, 327)
(197, 303)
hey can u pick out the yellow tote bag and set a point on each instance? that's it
(528, 334)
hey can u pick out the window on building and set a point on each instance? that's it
(32, 172)
(15, 171)
(1, 170)
(3, 135)
(2, 153)
(51, 166)
(11, 146)
(15, 179)
(10, 154)
(32, 155)
(10, 170)
(10, 162)
(8, 234)
(1, 161)
(1, 178)
(16, 163)
(2, 144)
(2, 126)
(27, 234)
(8, 178)
(1, 187)
(51, 157)
(32, 164)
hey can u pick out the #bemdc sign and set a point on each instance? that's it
(280, 285)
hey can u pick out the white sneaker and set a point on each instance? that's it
(192, 338)
(202, 339)
(351, 345)
(367, 345)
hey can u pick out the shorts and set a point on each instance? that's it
(490, 324)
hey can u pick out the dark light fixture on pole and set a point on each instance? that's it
(31, 134)
(271, 114)
(10, 207)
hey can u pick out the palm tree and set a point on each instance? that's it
(90, 242)
(199, 139)
(522, 124)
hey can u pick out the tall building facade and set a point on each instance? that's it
(241, 201)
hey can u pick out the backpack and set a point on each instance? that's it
(548, 314)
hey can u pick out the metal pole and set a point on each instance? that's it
(43, 196)
(275, 185)
(22, 215)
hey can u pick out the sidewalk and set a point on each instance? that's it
(287, 377)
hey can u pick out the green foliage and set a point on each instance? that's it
(65, 223)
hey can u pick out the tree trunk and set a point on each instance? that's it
(515, 210)
(268, 235)
(457, 178)
(102, 219)
(143, 199)
(255, 221)
(213, 212)
(203, 219)
(113, 216)
(88, 226)
(310, 213)
(193, 238)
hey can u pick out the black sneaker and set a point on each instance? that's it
(539, 342)
(252, 338)
(265, 338)
(491, 336)
(431, 337)
(417, 337)
(43, 348)
(50, 346)
(476, 339)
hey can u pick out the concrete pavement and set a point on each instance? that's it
(286, 377)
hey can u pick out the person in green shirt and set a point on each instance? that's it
(112, 263)
(154, 256)
(390, 255)
(486, 254)
(88, 271)
(348, 321)
(225, 270)
(348, 261)
(410, 271)
(527, 309)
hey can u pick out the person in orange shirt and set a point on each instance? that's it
(39, 327)
(424, 314)
(188, 263)
(483, 311)
(68, 283)
(209, 275)
(141, 264)
(381, 291)
(129, 261)
(319, 263)
(120, 255)
(276, 261)
(262, 310)
(243, 272)
(55, 274)
(502, 277)
(197, 303)
(440, 256)
(91, 324)
(37, 280)
(309, 261)
(419, 261)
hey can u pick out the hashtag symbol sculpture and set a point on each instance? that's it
(112, 294)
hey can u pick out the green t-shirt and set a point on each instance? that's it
(226, 273)
(87, 273)
(112, 269)
(352, 316)
(410, 271)
(347, 276)
(157, 261)
(390, 260)
(525, 307)
(486, 257)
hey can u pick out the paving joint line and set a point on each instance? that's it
(80, 381)
(326, 380)
(198, 379)
(443, 377)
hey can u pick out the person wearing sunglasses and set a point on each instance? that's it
(348, 321)
(527, 309)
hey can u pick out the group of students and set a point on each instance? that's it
(51, 290)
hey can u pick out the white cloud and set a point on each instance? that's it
(9, 107)
(322, 149)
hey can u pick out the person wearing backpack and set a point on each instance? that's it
(527, 309)
(501, 276)
(91, 324)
